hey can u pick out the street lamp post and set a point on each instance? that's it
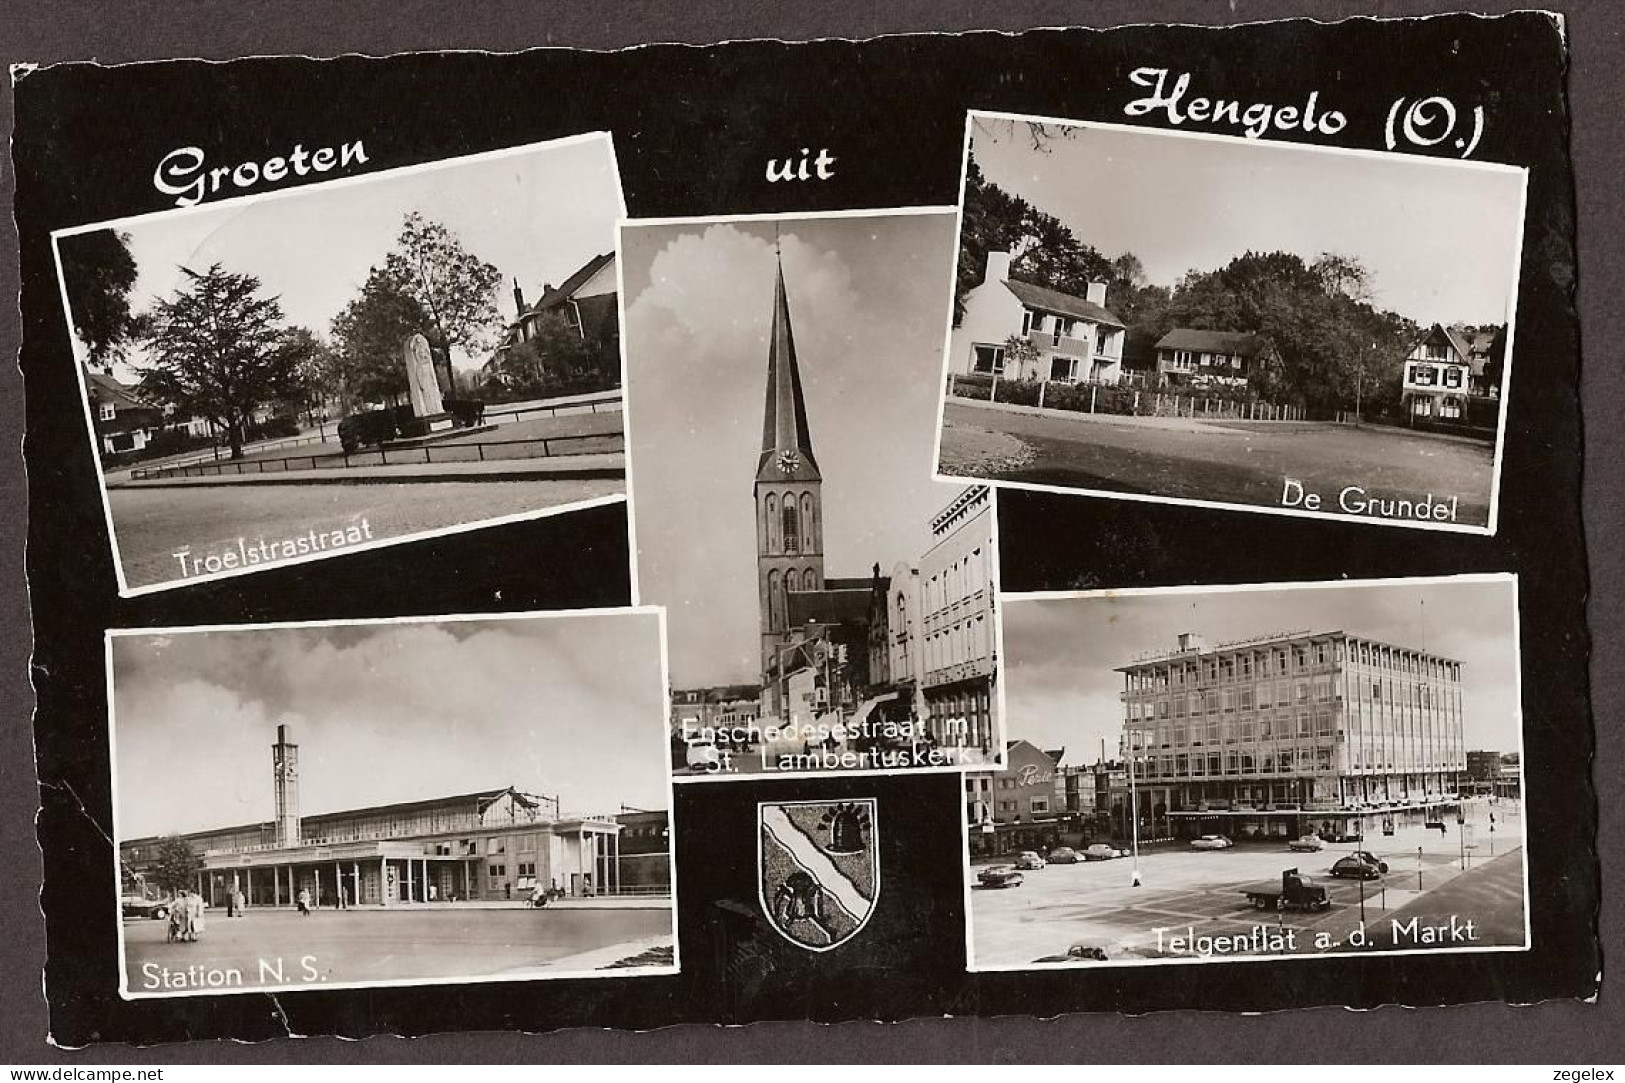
(1134, 811)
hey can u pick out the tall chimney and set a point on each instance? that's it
(285, 773)
(518, 298)
(998, 266)
(1097, 294)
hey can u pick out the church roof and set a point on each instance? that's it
(787, 453)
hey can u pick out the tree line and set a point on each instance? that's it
(221, 349)
(1334, 345)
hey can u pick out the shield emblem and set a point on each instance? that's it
(817, 869)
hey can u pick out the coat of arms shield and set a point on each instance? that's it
(817, 869)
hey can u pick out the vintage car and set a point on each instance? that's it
(1000, 876)
(1211, 842)
(134, 906)
(1307, 844)
(1360, 865)
(1030, 861)
(1063, 855)
(1102, 852)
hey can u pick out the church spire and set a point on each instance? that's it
(787, 453)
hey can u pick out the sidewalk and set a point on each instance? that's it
(558, 468)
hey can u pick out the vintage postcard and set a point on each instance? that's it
(1224, 774)
(282, 378)
(423, 801)
(1229, 321)
(842, 618)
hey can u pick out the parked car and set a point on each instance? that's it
(1063, 855)
(1102, 852)
(1094, 953)
(703, 756)
(1000, 876)
(1366, 858)
(1029, 860)
(1371, 859)
(1355, 868)
(1307, 844)
(134, 906)
(1211, 842)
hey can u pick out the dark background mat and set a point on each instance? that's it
(893, 112)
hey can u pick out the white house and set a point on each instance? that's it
(1437, 374)
(1076, 338)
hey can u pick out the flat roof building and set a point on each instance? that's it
(1294, 732)
(492, 844)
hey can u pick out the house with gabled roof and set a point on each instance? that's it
(124, 420)
(1068, 338)
(587, 301)
(1438, 375)
(1200, 358)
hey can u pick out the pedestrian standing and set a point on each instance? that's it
(304, 902)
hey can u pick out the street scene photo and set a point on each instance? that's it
(1201, 774)
(284, 378)
(1248, 323)
(418, 801)
(832, 607)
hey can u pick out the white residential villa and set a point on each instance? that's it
(1076, 338)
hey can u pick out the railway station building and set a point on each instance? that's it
(492, 845)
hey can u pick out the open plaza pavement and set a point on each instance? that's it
(278, 947)
(1226, 461)
(1190, 894)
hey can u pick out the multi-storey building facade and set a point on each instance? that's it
(957, 647)
(1289, 733)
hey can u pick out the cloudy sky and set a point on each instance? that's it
(869, 303)
(571, 706)
(1060, 654)
(1440, 239)
(537, 215)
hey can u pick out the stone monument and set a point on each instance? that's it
(421, 383)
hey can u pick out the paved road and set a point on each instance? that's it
(1229, 462)
(153, 524)
(1189, 894)
(373, 945)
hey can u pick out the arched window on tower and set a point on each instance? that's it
(792, 528)
(775, 602)
(770, 523)
(808, 528)
(809, 580)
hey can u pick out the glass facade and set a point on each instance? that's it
(1312, 721)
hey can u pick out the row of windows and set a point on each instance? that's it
(965, 641)
(791, 524)
(960, 580)
(1279, 661)
(1190, 359)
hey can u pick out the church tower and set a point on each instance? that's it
(788, 490)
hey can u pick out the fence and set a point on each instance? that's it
(463, 452)
(1092, 398)
(610, 403)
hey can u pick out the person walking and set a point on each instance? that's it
(241, 899)
(304, 902)
(194, 916)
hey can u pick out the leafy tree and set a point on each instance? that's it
(455, 290)
(219, 350)
(177, 865)
(369, 334)
(99, 272)
(321, 375)
(555, 356)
